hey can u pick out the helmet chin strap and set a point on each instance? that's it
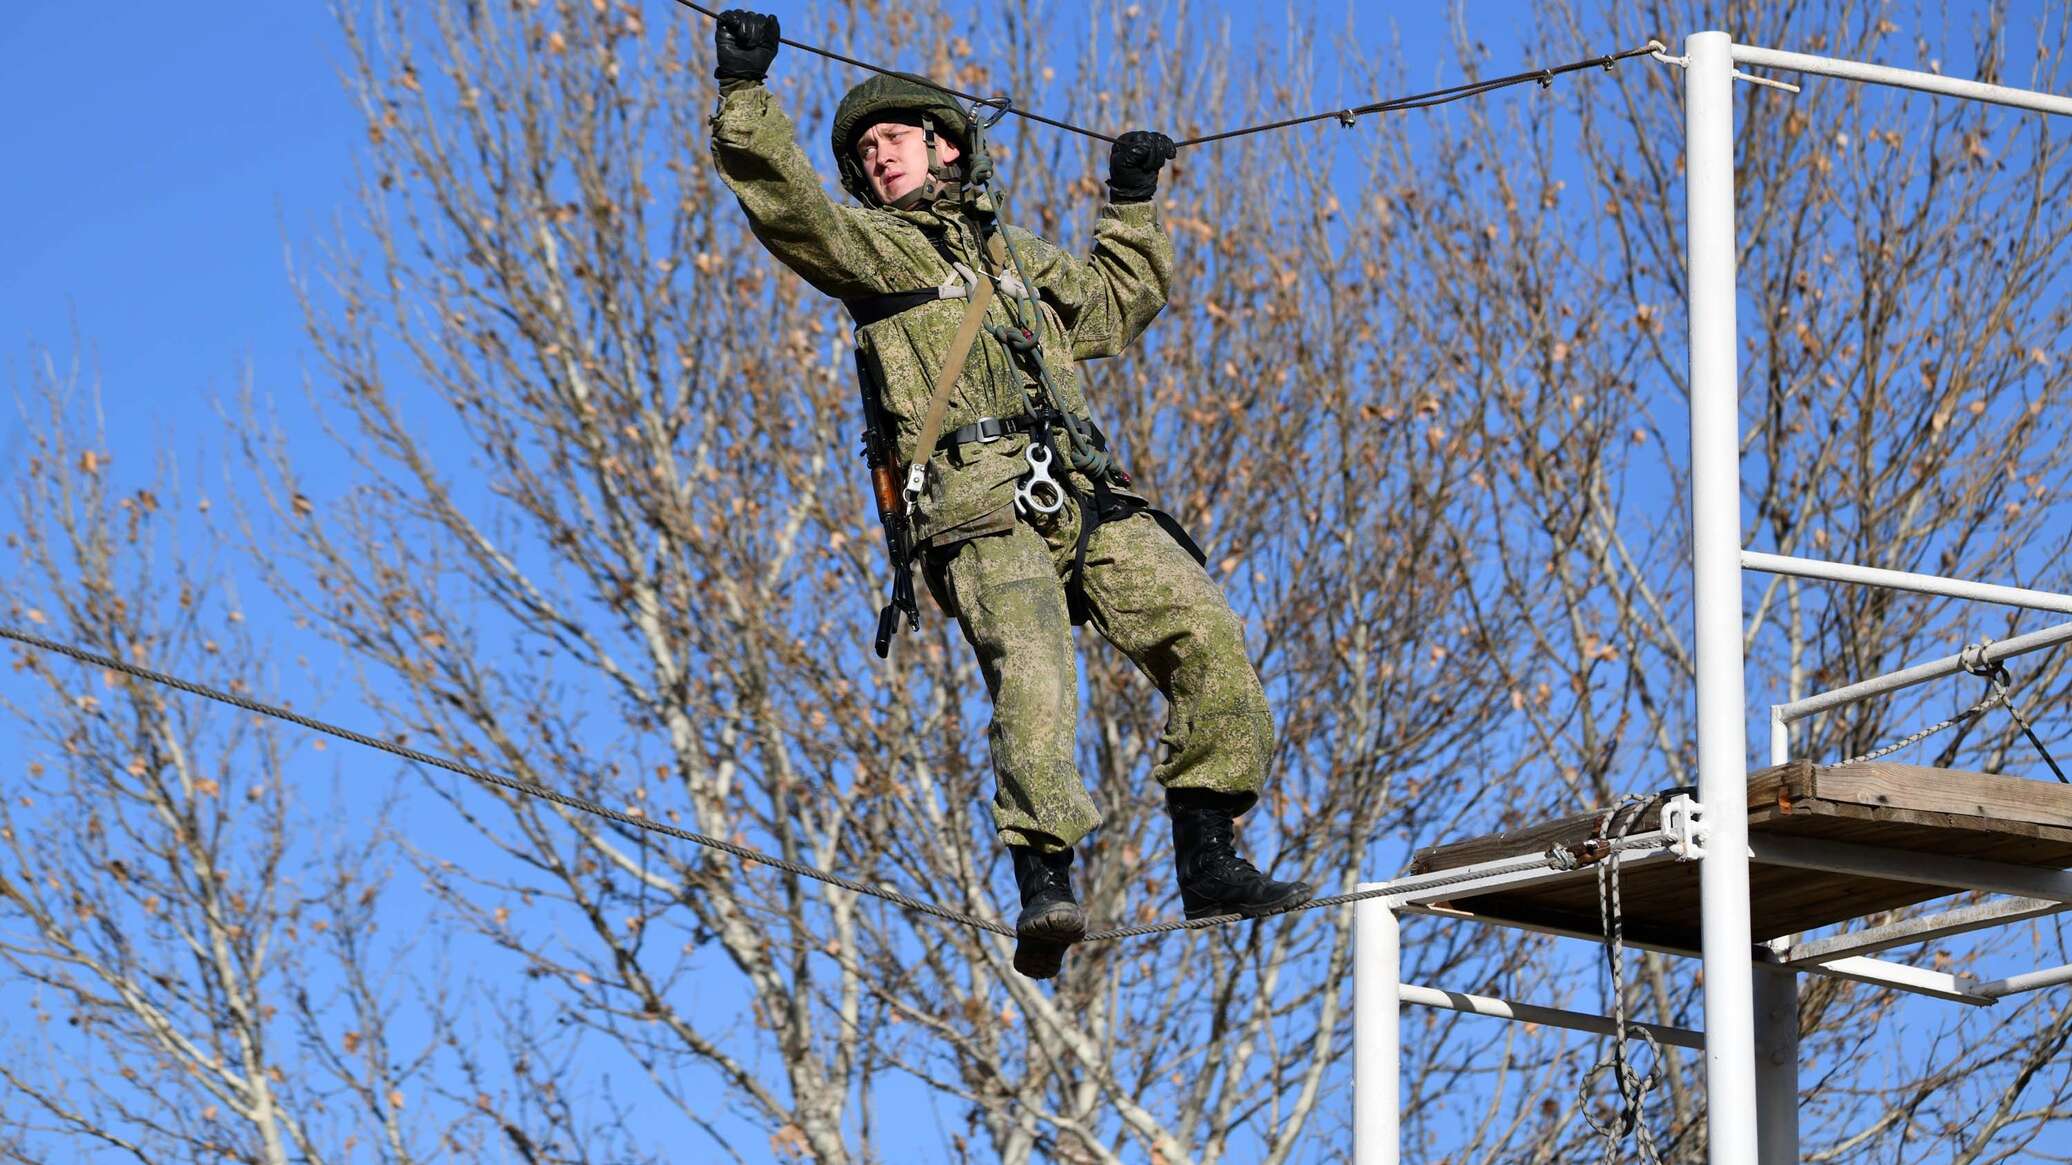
(941, 178)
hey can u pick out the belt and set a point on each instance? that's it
(987, 430)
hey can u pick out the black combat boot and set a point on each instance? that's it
(1051, 919)
(1213, 879)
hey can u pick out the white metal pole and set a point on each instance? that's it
(1471, 1004)
(2028, 981)
(1903, 78)
(1777, 1066)
(1900, 580)
(1716, 596)
(1921, 673)
(1377, 1034)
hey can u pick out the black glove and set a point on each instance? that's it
(745, 43)
(1133, 164)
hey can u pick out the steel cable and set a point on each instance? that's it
(1544, 76)
(743, 852)
(489, 778)
(1999, 692)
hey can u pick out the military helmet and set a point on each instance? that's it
(881, 98)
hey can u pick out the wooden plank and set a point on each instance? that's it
(1901, 807)
(1903, 794)
(2033, 845)
(1991, 796)
(1572, 831)
(1763, 819)
(1661, 901)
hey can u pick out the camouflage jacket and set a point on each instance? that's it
(1092, 307)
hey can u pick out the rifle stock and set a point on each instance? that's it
(881, 453)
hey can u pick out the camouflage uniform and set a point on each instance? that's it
(1001, 576)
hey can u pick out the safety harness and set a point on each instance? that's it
(1045, 421)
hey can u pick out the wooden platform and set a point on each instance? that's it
(1902, 807)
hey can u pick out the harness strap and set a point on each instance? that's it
(945, 381)
(870, 309)
(989, 429)
(946, 376)
(1108, 506)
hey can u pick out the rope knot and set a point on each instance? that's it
(1018, 338)
(1974, 659)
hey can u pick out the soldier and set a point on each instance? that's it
(1018, 555)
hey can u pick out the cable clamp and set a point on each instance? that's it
(1346, 117)
(1683, 820)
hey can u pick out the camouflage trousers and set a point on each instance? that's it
(1148, 597)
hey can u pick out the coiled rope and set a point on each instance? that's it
(1542, 76)
(1616, 1060)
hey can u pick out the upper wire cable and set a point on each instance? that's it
(1544, 76)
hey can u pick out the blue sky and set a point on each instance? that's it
(160, 156)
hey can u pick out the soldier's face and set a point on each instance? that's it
(895, 157)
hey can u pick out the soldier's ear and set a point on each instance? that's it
(947, 149)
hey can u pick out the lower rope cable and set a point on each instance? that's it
(544, 793)
(503, 782)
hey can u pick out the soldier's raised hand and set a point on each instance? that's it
(1134, 162)
(745, 43)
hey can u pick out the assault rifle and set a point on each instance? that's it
(881, 453)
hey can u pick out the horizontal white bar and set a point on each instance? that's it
(1510, 873)
(1549, 1016)
(1876, 972)
(1902, 78)
(1900, 580)
(2028, 981)
(1901, 977)
(1922, 929)
(1920, 673)
(1841, 857)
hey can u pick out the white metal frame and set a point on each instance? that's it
(1751, 993)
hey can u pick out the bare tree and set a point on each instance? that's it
(603, 530)
(189, 933)
(647, 585)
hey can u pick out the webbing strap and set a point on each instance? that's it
(946, 376)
